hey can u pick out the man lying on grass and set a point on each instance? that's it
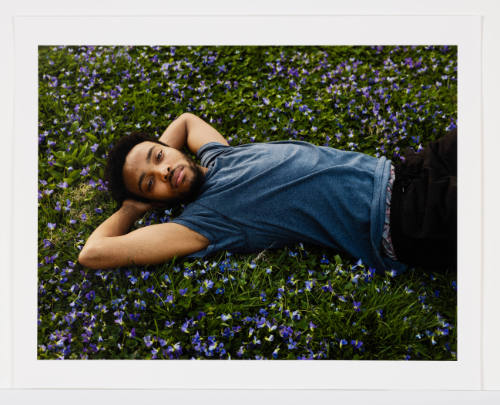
(266, 195)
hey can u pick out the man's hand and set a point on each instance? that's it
(139, 208)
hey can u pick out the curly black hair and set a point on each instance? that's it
(113, 173)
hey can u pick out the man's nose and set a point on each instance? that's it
(165, 172)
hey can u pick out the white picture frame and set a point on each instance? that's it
(468, 372)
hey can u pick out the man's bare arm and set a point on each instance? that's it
(110, 245)
(191, 131)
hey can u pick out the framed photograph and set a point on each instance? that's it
(377, 86)
(100, 315)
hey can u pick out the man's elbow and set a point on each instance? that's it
(89, 257)
(187, 116)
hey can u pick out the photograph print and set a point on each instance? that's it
(247, 202)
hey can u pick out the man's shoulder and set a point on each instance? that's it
(209, 151)
(211, 145)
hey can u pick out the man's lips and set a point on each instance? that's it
(177, 176)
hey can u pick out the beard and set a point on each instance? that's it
(193, 191)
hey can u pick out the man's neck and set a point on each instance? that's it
(204, 170)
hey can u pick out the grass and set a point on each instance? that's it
(293, 303)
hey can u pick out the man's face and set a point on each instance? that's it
(157, 172)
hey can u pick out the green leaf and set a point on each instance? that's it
(91, 137)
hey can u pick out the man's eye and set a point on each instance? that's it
(150, 184)
(158, 157)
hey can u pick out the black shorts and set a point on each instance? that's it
(423, 218)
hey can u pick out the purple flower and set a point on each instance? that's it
(285, 331)
(51, 226)
(260, 323)
(140, 304)
(98, 210)
(183, 291)
(50, 259)
(371, 271)
(83, 217)
(185, 326)
(94, 147)
(357, 306)
(90, 295)
(148, 341)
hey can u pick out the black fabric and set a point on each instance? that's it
(424, 206)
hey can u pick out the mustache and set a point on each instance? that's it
(190, 164)
(192, 193)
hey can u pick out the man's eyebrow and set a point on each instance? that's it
(148, 159)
